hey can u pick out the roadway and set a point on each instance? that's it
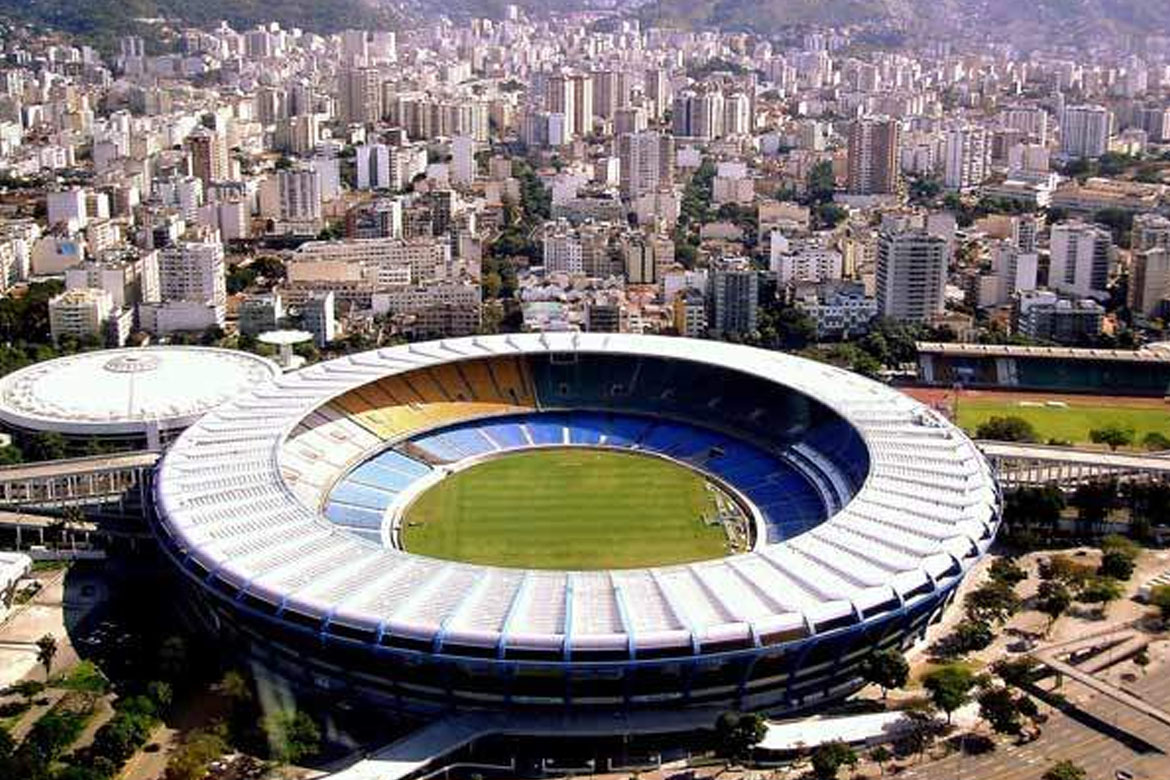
(26, 472)
(1121, 461)
(1064, 737)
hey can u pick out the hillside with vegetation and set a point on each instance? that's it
(764, 16)
(102, 21)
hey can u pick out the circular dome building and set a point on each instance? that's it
(135, 397)
(424, 527)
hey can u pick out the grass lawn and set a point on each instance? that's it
(567, 509)
(1071, 423)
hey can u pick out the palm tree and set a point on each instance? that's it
(46, 651)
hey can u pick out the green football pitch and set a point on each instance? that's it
(567, 509)
(1070, 423)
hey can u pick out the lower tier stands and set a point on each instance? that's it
(360, 499)
(788, 499)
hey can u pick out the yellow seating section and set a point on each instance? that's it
(403, 404)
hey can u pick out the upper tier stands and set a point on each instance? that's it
(823, 459)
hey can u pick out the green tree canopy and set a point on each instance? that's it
(949, 687)
(1008, 428)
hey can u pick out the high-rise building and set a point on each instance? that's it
(582, 103)
(193, 272)
(606, 93)
(1150, 231)
(209, 156)
(80, 313)
(968, 158)
(360, 96)
(698, 115)
(1085, 131)
(561, 98)
(737, 115)
(317, 317)
(656, 87)
(1081, 257)
(873, 156)
(640, 263)
(300, 195)
(373, 167)
(1032, 122)
(1149, 281)
(733, 299)
(911, 274)
(563, 251)
(1042, 315)
(646, 161)
(462, 160)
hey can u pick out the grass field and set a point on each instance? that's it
(567, 509)
(1071, 423)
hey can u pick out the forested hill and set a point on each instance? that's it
(103, 21)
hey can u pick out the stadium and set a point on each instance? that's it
(574, 522)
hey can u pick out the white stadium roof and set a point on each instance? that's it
(924, 514)
(125, 391)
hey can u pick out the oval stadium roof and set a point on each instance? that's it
(123, 391)
(926, 512)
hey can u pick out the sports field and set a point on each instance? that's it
(1062, 417)
(567, 509)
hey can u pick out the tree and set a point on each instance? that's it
(1100, 590)
(1160, 598)
(1155, 441)
(736, 733)
(972, 635)
(292, 736)
(27, 689)
(1000, 708)
(1065, 770)
(949, 687)
(1016, 671)
(1116, 565)
(828, 759)
(1006, 570)
(1112, 435)
(46, 652)
(190, 760)
(1064, 569)
(1121, 544)
(1053, 599)
(48, 445)
(880, 755)
(1006, 429)
(161, 694)
(828, 215)
(992, 602)
(887, 669)
(821, 183)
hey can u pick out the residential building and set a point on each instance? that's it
(911, 273)
(1085, 131)
(1081, 258)
(733, 299)
(873, 156)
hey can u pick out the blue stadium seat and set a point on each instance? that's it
(353, 516)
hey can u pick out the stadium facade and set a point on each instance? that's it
(1141, 372)
(280, 507)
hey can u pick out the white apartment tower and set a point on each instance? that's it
(1085, 131)
(647, 162)
(1081, 256)
(968, 158)
(911, 274)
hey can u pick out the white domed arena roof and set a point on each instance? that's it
(125, 391)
